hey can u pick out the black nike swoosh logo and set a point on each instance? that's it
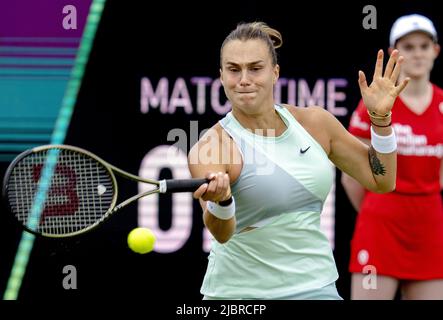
(303, 151)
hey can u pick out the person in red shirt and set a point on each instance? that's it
(398, 236)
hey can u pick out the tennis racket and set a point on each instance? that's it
(61, 191)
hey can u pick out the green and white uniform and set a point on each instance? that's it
(281, 191)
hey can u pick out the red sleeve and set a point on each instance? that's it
(360, 124)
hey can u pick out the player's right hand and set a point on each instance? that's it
(218, 188)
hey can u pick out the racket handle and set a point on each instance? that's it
(181, 185)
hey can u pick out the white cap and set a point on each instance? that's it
(410, 23)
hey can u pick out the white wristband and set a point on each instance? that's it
(224, 213)
(383, 144)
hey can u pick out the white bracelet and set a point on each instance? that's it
(383, 144)
(224, 213)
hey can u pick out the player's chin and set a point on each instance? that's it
(246, 101)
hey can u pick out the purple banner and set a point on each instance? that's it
(42, 19)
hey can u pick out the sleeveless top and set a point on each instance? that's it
(281, 189)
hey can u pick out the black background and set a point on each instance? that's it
(182, 39)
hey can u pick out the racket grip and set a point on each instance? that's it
(181, 185)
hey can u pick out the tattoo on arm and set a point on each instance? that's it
(376, 166)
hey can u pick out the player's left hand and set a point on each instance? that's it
(379, 97)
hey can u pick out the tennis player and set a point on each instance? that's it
(270, 174)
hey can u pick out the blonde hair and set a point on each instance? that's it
(256, 30)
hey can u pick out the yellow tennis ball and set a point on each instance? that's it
(141, 240)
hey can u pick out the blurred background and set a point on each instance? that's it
(132, 78)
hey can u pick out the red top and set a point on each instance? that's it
(419, 141)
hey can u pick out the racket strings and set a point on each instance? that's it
(79, 192)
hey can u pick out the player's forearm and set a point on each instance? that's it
(221, 230)
(383, 165)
